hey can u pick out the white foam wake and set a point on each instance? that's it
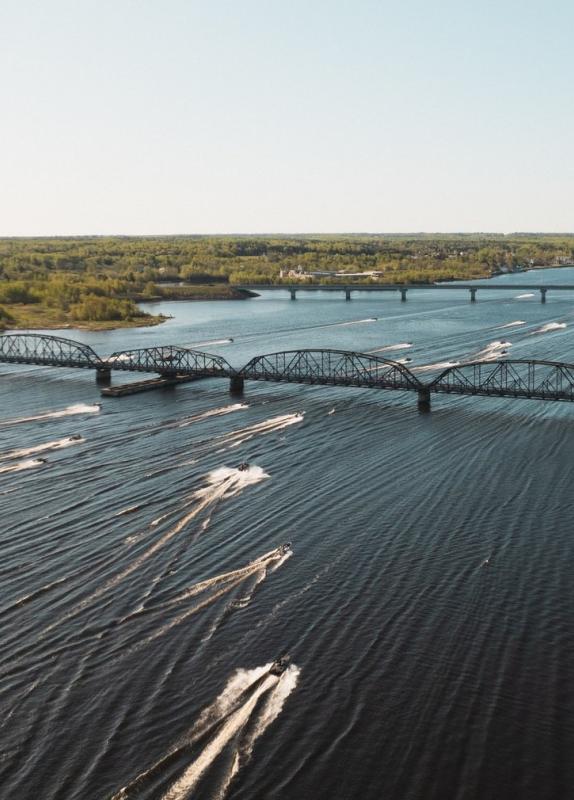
(550, 326)
(524, 296)
(227, 702)
(352, 322)
(388, 347)
(273, 706)
(58, 444)
(438, 365)
(22, 465)
(77, 408)
(214, 412)
(253, 695)
(259, 566)
(183, 787)
(492, 351)
(221, 483)
(237, 437)
(212, 341)
(274, 690)
(515, 324)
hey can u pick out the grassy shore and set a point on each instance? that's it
(38, 316)
(35, 317)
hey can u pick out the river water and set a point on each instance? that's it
(426, 603)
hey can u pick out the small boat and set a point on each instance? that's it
(243, 467)
(284, 548)
(75, 437)
(280, 665)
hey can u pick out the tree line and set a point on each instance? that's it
(101, 279)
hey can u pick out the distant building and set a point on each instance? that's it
(300, 274)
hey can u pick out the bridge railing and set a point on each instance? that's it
(169, 360)
(544, 380)
(53, 351)
(338, 367)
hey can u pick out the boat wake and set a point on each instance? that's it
(250, 702)
(210, 342)
(58, 444)
(213, 589)
(351, 322)
(438, 365)
(549, 327)
(492, 351)
(222, 483)
(30, 463)
(214, 412)
(515, 324)
(273, 425)
(389, 347)
(524, 296)
(78, 408)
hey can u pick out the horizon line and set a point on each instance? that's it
(283, 233)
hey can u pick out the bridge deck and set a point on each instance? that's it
(398, 287)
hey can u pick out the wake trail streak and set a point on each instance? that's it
(271, 560)
(222, 483)
(239, 683)
(22, 465)
(78, 408)
(58, 444)
(183, 787)
(550, 326)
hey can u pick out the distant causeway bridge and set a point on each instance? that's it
(402, 289)
(532, 379)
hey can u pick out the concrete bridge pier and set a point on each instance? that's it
(293, 293)
(404, 295)
(472, 295)
(423, 403)
(347, 293)
(543, 291)
(103, 376)
(236, 384)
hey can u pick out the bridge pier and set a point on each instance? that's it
(423, 403)
(347, 293)
(472, 295)
(103, 376)
(543, 291)
(236, 384)
(404, 295)
(293, 293)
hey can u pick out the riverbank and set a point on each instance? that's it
(36, 316)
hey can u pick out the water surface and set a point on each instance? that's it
(426, 606)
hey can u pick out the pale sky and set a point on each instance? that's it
(245, 116)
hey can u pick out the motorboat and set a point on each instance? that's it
(243, 467)
(279, 665)
(284, 548)
(75, 437)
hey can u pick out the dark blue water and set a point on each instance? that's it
(427, 605)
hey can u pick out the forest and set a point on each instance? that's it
(98, 282)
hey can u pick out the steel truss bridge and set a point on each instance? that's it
(532, 379)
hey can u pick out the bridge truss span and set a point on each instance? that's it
(542, 380)
(169, 360)
(331, 367)
(52, 351)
